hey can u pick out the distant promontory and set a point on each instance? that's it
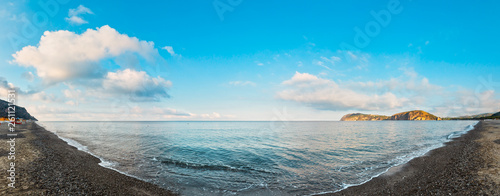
(410, 115)
(363, 117)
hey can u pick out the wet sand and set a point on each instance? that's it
(46, 165)
(468, 165)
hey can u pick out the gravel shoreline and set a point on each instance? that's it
(49, 166)
(454, 169)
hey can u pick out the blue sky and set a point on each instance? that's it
(249, 60)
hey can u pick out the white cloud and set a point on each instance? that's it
(328, 95)
(137, 84)
(468, 102)
(43, 96)
(166, 112)
(410, 83)
(213, 115)
(64, 55)
(72, 94)
(242, 83)
(259, 63)
(170, 50)
(119, 111)
(5, 86)
(39, 110)
(74, 15)
(406, 92)
(28, 76)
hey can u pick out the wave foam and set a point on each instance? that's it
(457, 134)
(403, 159)
(104, 163)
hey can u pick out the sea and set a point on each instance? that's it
(257, 158)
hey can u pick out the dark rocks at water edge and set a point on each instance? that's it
(20, 112)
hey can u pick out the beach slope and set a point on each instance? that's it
(468, 165)
(46, 165)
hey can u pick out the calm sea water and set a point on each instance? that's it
(257, 158)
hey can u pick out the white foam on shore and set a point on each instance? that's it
(406, 159)
(104, 163)
(460, 133)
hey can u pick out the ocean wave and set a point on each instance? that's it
(212, 167)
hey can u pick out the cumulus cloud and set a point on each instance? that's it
(408, 91)
(64, 55)
(139, 85)
(5, 86)
(328, 95)
(31, 95)
(74, 15)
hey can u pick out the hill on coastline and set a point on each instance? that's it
(21, 112)
(410, 115)
(363, 117)
(414, 115)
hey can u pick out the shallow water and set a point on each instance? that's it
(257, 158)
